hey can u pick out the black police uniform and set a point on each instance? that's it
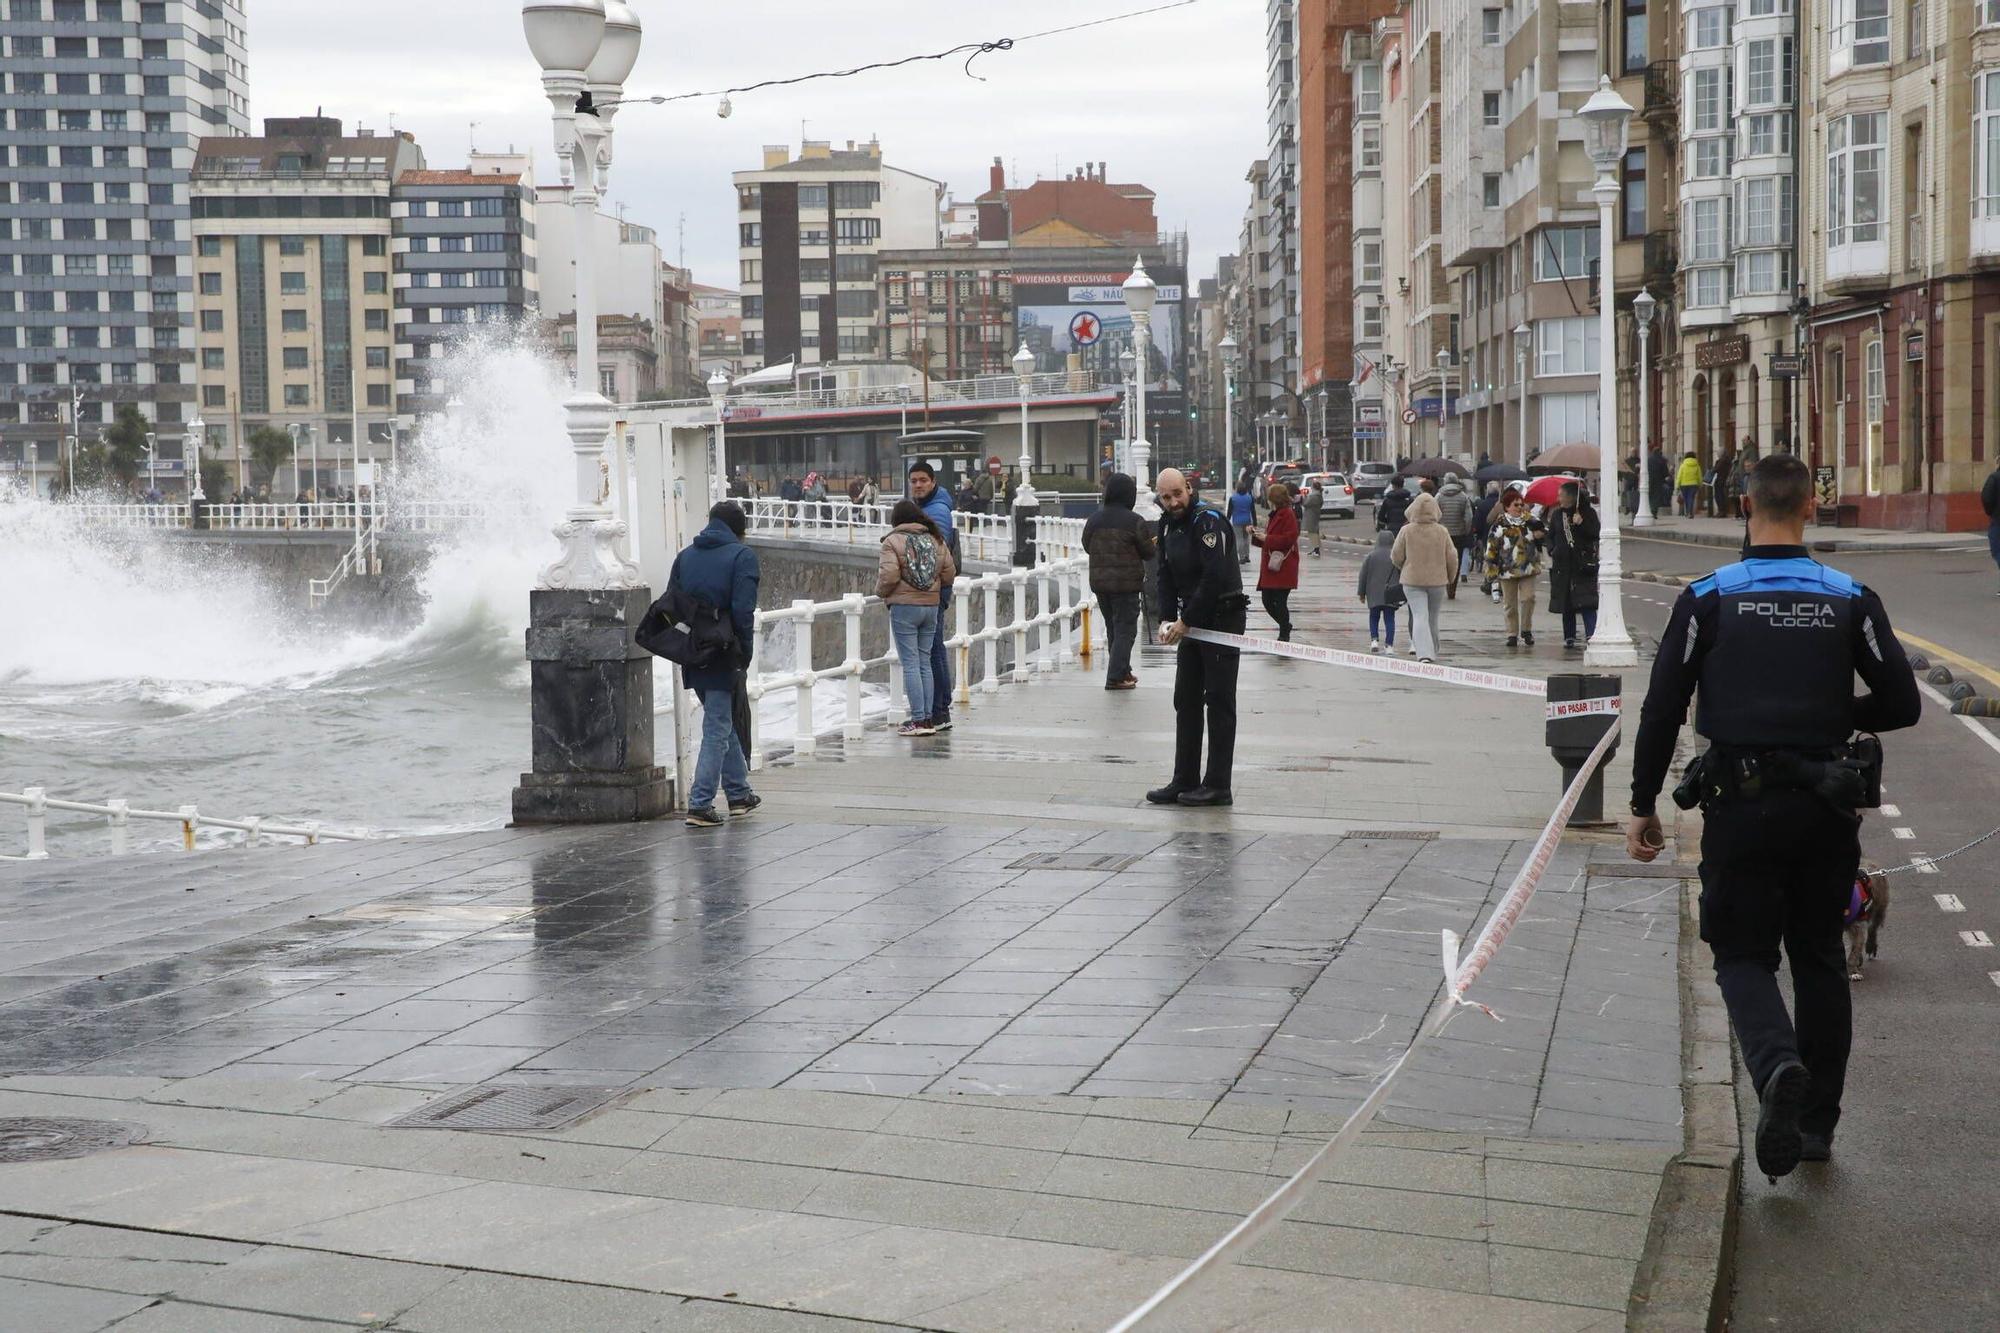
(1201, 583)
(1774, 644)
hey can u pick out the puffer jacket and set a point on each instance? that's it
(891, 585)
(1423, 549)
(1118, 541)
(1455, 509)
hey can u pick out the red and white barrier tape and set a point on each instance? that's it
(1458, 977)
(1392, 666)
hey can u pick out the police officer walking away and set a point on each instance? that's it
(1200, 586)
(1774, 644)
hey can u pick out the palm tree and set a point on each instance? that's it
(269, 449)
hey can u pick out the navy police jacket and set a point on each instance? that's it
(1773, 644)
(1199, 577)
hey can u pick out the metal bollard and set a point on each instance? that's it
(850, 610)
(1571, 739)
(121, 827)
(38, 820)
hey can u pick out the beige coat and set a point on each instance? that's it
(1424, 550)
(890, 585)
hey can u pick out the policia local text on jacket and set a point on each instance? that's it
(1200, 587)
(1773, 644)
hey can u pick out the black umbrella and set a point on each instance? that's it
(1434, 467)
(1500, 472)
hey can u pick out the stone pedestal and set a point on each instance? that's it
(592, 708)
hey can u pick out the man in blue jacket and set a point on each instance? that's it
(936, 502)
(720, 570)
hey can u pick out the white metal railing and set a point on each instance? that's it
(120, 815)
(360, 558)
(743, 407)
(282, 516)
(1048, 626)
(986, 538)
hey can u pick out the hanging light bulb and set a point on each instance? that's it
(725, 108)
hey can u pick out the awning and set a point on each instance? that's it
(768, 377)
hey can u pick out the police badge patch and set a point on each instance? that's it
(1209, 539)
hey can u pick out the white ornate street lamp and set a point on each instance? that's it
(1607, 119)
(718, 390)
(1643, 306)
(1392, 375)
(1026, 504)
(1128, 366)
(1522, 335)
(191, 451)
(1444, 400)
(586, 49)
(1140, 293)
(1228, 349)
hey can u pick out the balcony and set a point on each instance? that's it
(1663, 93)
(1662, 256)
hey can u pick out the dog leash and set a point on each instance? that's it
(1933, 860)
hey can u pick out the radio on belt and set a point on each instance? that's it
(1571, 738)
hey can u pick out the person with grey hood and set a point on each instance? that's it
(1381, 591)
(1455, 512)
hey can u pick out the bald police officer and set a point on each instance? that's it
(1200, 586)
(1774, 643)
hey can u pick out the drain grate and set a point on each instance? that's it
(42, 1139)
(508, 1107)
(1392, 834)
(1102, 862)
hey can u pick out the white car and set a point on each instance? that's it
(1371, 479)
(1336, 495)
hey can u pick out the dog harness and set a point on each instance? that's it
(1859, 903)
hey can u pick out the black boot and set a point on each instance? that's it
(1167, 795)
(1206, 796)
(1781, 1101)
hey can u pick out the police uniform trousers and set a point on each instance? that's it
(1779, 868)
(1205, 689)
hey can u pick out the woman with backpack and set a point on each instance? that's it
(915, 567)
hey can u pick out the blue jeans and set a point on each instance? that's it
(914, 628)
(1569, 625)
(721, 752)
(940, 663)
(1382, 624)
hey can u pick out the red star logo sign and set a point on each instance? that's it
(1084, 329)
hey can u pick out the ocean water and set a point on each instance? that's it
(145, 669)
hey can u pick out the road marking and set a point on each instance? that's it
(1955, 659)
(1891, 811)
(1948, 902)
(1904, 833)
(1924, 865)
(1975, 939)
(1994, 977)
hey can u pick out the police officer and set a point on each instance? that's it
(1774, 644)
(1200, 585)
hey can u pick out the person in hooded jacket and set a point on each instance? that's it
(914, 573)
(1424, 552)
(1119, 543)
(720, 570)
(1392, 510)
(1455, 513)
(1572, 541)
(1378, 590)
(1278, 571)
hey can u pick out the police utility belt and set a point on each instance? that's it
(1848, 777)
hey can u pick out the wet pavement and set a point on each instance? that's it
(894, 959)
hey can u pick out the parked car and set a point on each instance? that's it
(1371, 479)
(1336, 494)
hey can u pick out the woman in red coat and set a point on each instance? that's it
(1278, 571)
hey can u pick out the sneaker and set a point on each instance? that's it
(1374, 645)
(1167, 795)
(1815, 1147)
(1411, 650)
(1426, 661)
(1528, 638)
(1496, 596)
(705, 819)
(747, 806)
(916, 728)
(1780, 1101)
(940, 723)
(1513, 642)
(1569, 645)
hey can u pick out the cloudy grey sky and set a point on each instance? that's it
(1174, 100)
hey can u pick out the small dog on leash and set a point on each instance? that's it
(1867, 909)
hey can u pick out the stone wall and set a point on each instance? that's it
(289, 561)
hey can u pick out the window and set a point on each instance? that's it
(1371, 262)
(454, 245)
(214, 395)
(291, 246)
(451, 208)
(1566, 346)
(1914, 25)
(750, 235)
(810, 196)
(857, 230)
(1489, 114)
(1567, 418)
(1858, 34)
(378, 395)
(489, 242)
(212, 358)
(292, 321)
(1854, 178)
(211, 321)
(1564, 252)
(1371, 322)
(1986, 141)
(292, 284)
(1489, 27)
(1632, 198)
(1764, 212)
(1369, 135)
(1708, 286)
(296, 358)
(374, 247)
(210, 247)
(751, 270)
(1489, 190)
(1368, 89)
(1635, 36)
(1763, 273)
(1711, 157)
(1986, 12)
(749, 198)
(1768, 76)
(1871, 381)
(375, 321)
(298, 395)
(211, 284)
(377, 358)
(1711, 100)
(374, 284)
(489, 208)
(1707, 231)
(1767, 135)
(1710, 28)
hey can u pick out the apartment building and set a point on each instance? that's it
(1368, 214)
(719, 313)
(465, 257)
(1900, 242)
(948, 310)
(1264, 379)
(1429, 335)
(809, 230)
(1279, 258)
(102, 106)
(293, 307)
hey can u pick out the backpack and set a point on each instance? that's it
(688, 631)
(919, 560)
